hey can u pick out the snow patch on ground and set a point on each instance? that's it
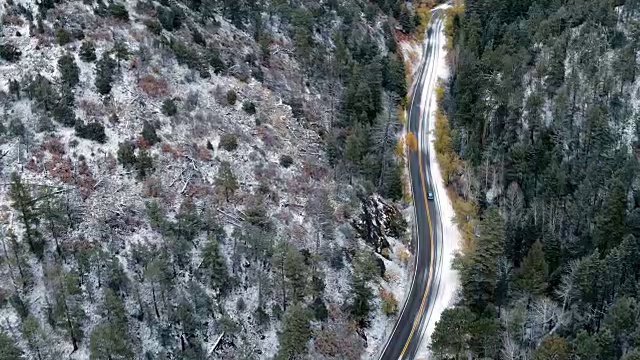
(397, 281)
(412, 54)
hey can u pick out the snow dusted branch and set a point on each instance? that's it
(215, 344)
(234, 221)
(186, 183)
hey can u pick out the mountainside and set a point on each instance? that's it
(539, 136)
(201, 179)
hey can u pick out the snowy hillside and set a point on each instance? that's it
(189, 180)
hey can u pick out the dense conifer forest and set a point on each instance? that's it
(539, 139)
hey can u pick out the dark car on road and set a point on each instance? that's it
(429, 195)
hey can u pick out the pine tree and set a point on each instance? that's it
(452, 332)
(534, 271)
(364, 270)
(67, 310)
(144, 163)
(486, 336)
(108, 342)
(88, 51)
(69, 70)
(34, 336)
(126, 154)
(214, 263)
(16, 255)
(63, 110)
(320, 210)
(406, 20)
(479, 272)
(54, 219)
(296, 274)
(26, 207)
(395, 184)
(296, 332)
(585, 345)
(226, 180)
(105, 70)
(610, 225)
(355, 148)
(9, 349)
(606, 343)
(149, 133)
(158, 272)
(622, 318)
(120, 51)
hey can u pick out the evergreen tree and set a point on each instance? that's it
(158, 272)
(25, 205)
(149, 133)
(395, 184)
(63, 110)
(107, 342)
(34, 336)
(585, 345)
(622, 319)
(606, 343)
(479, 272)
(120, 51)
(67, 310)
(534, 271)
(18, 259)
(87, 51)
(296, 332)
(55, 217)
(169, 107)
(226, 180)
(144, 163)
(355, 149)
(451, 334)
(9, 349)
(406, 20)
(105, 70)
(364, 270)
(610, 225)
(214, 263)
(486, 336)
(296, 274)
(69, 70)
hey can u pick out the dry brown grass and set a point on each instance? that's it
(100, 34)
(92, 108)
(60, 168)
(84, 180)
(54, 146)
(204, 154)
(154, 86)
(166, 148)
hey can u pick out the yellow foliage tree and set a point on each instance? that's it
(400, 149)
(440, 94)
(411, 141)
(443, 143)
(449, 29)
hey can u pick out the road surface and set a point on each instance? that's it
(405, 339)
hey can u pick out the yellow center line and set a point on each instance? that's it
(416, 322)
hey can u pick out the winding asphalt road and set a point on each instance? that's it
(405, 339)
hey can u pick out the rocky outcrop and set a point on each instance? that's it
(377, 221)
